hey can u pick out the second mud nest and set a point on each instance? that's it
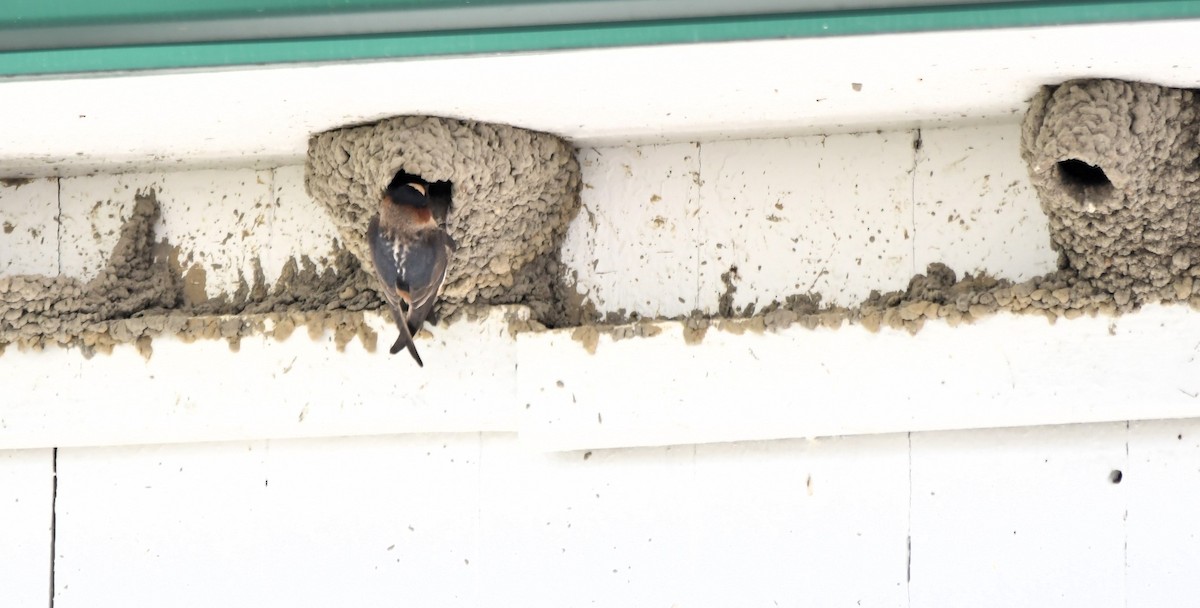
(1115, 166)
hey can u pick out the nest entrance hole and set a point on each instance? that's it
(1080, 173)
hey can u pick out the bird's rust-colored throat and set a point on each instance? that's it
(420, 215)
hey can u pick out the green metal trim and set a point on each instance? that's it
(75, 24)
(898, 20)
(89, 11)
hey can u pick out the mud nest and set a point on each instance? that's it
(514, 193)
(1115, 167)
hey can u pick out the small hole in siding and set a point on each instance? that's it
(1076, 172)
(1115, 476)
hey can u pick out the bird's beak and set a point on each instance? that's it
(418, 187)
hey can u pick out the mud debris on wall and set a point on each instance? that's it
(140, 295)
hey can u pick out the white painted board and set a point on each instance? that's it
(29, 227)
(1005, 370)
(298, 387)
(1019, 517)
(668, 93)
(831, 215)
(1162, 481)
(26, 513)
(974, 208)
(364, 521)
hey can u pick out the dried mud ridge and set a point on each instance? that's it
(939, 294)
(140, 295)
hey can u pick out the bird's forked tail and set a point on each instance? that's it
(405, 340)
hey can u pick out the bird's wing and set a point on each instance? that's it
(439, 246)
(386, 268)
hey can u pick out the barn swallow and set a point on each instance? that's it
(411, 254)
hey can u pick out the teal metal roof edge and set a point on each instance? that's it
(543, 38)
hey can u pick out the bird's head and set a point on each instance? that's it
(411, 194)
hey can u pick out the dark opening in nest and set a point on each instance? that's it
(1077, 172)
